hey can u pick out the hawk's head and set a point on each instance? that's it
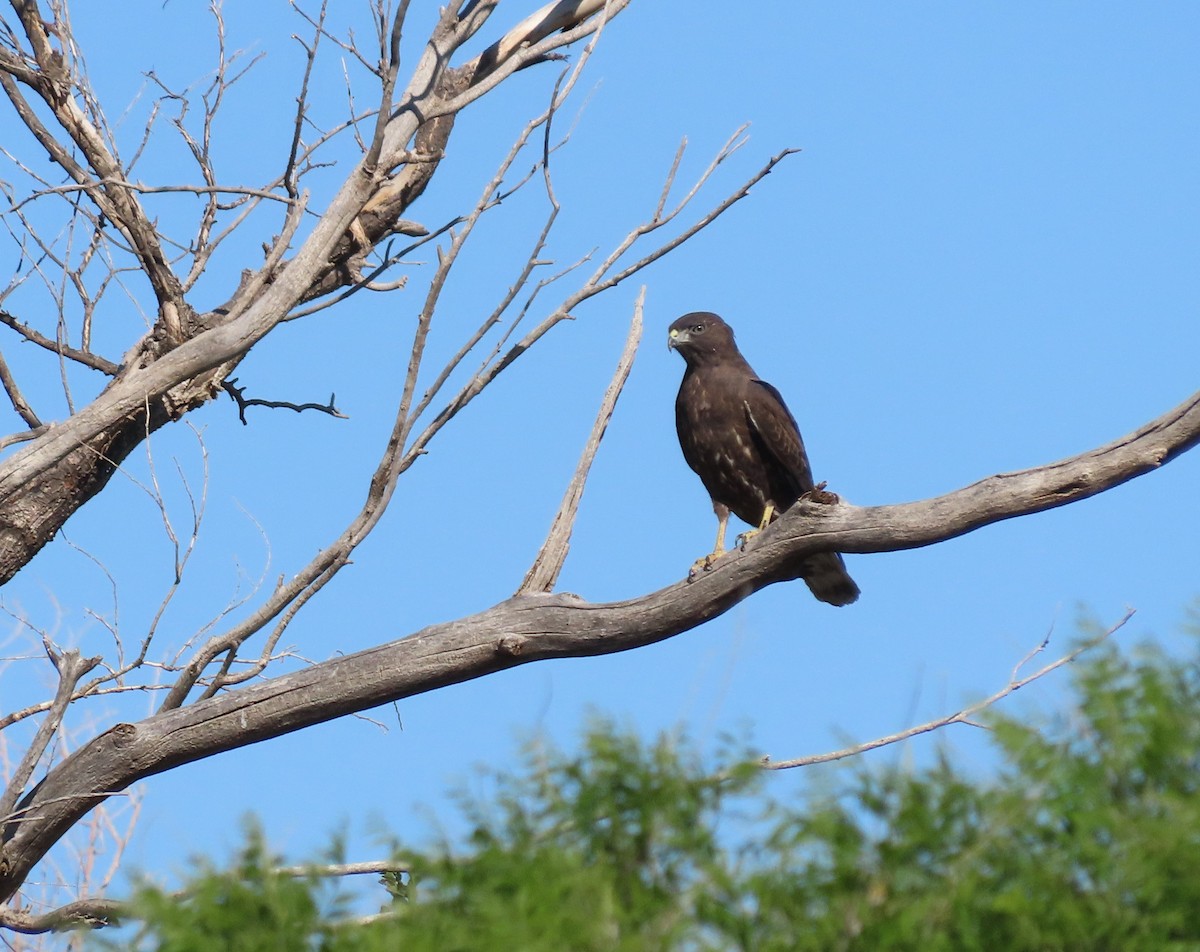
(701, 337)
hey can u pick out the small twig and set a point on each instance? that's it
(543, 574)
(491, 198)
(323, 870)
(1033, 653)
(371, 160)
(243, 191)
(234, 391)
(600, 281)
(965, 716)
(289, 173)
(23, 437)
(20, 404)
(366, 282)
(223, 679)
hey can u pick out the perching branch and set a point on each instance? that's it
(537, 627)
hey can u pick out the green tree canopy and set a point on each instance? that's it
(1086, 837)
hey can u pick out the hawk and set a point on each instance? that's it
(739, 437)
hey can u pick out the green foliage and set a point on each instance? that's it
(600, 850)
(249, 908)
(1088, 837)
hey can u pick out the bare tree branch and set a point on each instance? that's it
(965, 716)
(71, 666)
(94, 361)
(55, 88)
(98, 912)
(236, 393)
(365, 868)
(16, 398)
(289, 176)
(543, 574)
(188, 374)
(552, 18)
(600, 281)
(401, 450)
(83, 913)
(537, 627)
(391, 71)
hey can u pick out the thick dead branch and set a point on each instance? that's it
(536, 627)
(550, 19)
(552, 27)
(34, 512)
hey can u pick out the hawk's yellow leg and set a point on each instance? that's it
(767, 516)
(705, 562)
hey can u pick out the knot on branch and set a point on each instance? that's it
(122, 735)
(511, 645)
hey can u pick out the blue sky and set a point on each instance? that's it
(984, 258)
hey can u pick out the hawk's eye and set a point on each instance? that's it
(697, 328)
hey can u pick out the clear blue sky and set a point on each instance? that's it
(984, 258)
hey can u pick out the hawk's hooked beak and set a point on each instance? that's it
(675, 337)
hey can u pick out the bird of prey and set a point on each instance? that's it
(739, 437)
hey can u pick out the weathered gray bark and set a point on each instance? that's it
(535, 627)
(181, 364)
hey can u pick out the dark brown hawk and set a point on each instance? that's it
(740, 438)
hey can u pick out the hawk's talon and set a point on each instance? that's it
(702, 564)
(744, 537)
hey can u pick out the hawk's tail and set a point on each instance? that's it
(827, 578)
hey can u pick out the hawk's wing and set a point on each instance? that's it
(772, 423)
